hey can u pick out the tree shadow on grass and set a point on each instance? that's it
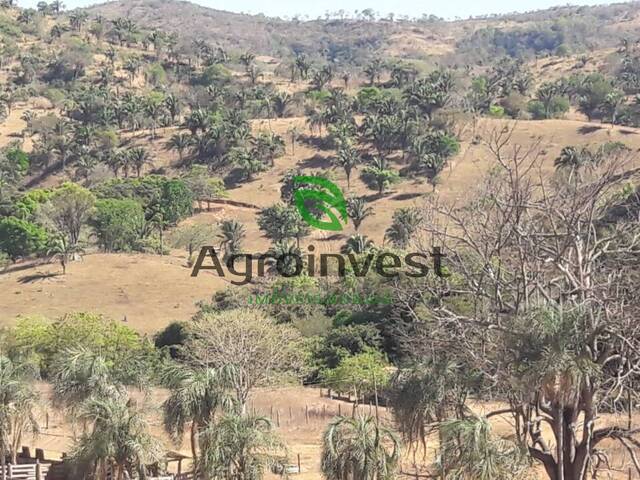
(37, 277)
(587, 129)
(406, 196)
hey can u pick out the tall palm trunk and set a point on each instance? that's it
(194, 445)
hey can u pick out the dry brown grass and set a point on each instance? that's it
(151, 290)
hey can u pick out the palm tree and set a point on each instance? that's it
(198, 120)
(85, 164)
(280, 102)
(378, 176)
(26, 15)
(282, 257)
(154, 109)
(119, 441)
(232, 233)
(315, 120)
(241, 448)
(77, 374)
(359, 449)
(303, 65)
(347, 158)
(358, 244)
(56, 31)
(139, 157)
(179, 142)
(247, 58)
(357, 210)
(56, 6)
(60, 248)
(18, 401)
(196, 395)
(77, 19)
(322, 77)
(132, 66)
(247, 162)
(63, 146)
(404, 226)
(253, 73)
(294, 134)
(469, 449)
(373, 70)
(172, 104)
(118, 161)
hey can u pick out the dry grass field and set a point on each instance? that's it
(150, 291)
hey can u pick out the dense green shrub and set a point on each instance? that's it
(42, 340)
(159, 196)
(118, 224)
(556, 107)
(21, 238)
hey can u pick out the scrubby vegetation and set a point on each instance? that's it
(121, 139)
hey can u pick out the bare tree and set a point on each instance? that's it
(541, 302)
(249, 347)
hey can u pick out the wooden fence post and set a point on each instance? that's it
(278, 418)
(306, 413)
(299, 467)
(339, 409)
(38, 470)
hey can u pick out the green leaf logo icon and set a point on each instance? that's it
(327, 200)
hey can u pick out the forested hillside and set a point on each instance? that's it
(420, 243)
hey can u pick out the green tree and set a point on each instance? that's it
(192, 238)
(196, 395)
(404, 226)
(242, 447)
(347, 159)
(139, 157)
(179, 142)
(469, 449)
(358, 211)
(362, 375)
(21, 238)
(232, 234)
(176, 200)
(359, 448)
(44, 341)
(358, 244)
(119, 440)
(18, 401)
(281, 222)
(118, 224)
(378, 176)
(68, 209)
